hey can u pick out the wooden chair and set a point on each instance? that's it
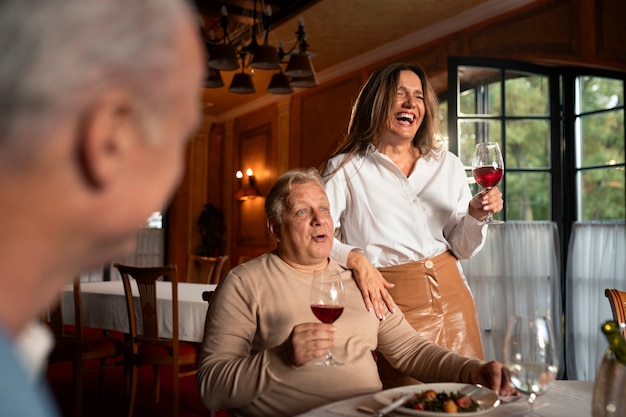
(206, 270)
(244, 258)
(81, 348)
(149, 348)
(617, 300)
(207, 296)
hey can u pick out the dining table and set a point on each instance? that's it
(104, 307)
(563, 399)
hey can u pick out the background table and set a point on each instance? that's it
(565, 398)
(104, 307)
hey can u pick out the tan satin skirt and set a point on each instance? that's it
(437, 302)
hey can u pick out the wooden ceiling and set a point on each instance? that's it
(343, 35)
(241, 14)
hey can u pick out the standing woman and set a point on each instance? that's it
(405, 213)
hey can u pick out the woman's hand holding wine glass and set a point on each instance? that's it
(327, 301)
(530, 355)
(488, 168)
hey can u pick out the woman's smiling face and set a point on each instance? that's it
(409, 109)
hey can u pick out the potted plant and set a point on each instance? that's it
(212, 231)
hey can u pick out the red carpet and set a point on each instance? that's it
(114, 404)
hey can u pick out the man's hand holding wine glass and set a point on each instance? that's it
(308, 342)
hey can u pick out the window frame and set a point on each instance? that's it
(562, 95)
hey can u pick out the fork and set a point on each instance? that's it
(471, 389)
(394, 405)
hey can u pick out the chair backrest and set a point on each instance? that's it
(207, 295)
(205, 269)
(53, 316)
(617, 300)
(146, 279)
(244, 258)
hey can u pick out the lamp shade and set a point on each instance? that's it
(279, 84)
(265, 57)
(304, 82)
(223, 57)
(299, 66)
(242, 84)
(213, 79)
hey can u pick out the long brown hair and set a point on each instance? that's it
(369, 118)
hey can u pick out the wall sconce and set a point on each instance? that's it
(251, 190)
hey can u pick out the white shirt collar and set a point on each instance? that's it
(33, 345)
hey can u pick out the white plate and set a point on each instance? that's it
(487, 400)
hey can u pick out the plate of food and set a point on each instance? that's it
(441, 398)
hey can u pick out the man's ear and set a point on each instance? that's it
(273, 230)
(103, 136)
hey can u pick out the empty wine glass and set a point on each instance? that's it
(530, 355)
(327, 298)
(487, 168)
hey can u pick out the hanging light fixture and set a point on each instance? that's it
(242, 82)
(280, 84)
(304, 82)
(224, 56)
(264, 56)
(214, 79)
(300, 62)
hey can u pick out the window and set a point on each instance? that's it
(599, 146)
(155, 221)
(561, 131)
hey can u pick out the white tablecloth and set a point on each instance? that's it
(104, 307)
(564, 399)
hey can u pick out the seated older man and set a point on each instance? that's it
(262, 340)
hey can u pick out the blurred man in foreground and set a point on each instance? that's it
(98, 99)
(261, 339)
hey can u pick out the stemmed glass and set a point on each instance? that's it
(487, 168)
(530, 355)
(326, 299)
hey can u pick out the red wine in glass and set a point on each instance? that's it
(326, 314)
(488, 168)
(327, 302)
(487, 177)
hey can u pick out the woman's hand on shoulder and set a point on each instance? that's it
(372, 284)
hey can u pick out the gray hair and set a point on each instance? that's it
(278, 196)
(57, 55)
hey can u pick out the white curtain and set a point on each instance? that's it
(516, 272)
(596, 260)
(149, 252)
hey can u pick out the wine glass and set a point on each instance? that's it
(487, 168)
(327, 298)
(530, 355)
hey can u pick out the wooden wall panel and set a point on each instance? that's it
(611, 31)
(255, 149)
(201, 184)
(324, 115)
(178, 222)
(254, 146)
(548, 32)
(214, 182)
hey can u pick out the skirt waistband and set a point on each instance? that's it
(437, 260)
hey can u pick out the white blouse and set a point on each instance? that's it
(393, 219)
